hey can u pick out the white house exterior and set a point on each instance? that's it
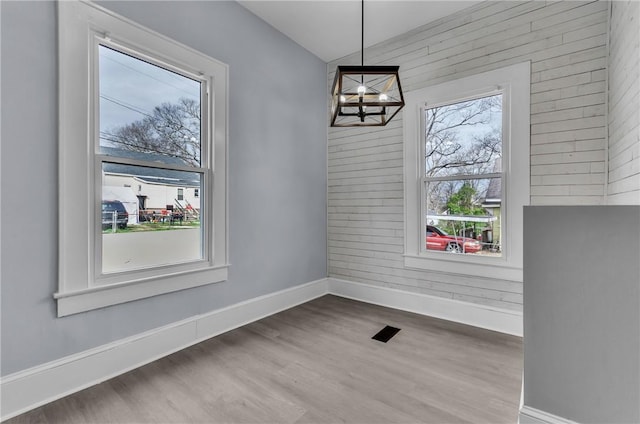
(154, 189)
(155, 195)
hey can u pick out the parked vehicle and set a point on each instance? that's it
(439, 240)
(108, 208)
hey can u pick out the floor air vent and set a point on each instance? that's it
(385, 334)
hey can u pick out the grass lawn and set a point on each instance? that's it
(154, 226)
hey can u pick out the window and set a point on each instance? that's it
(148, 115)
(467, 174)
(462, 150)
(147, 119)
(196, 192)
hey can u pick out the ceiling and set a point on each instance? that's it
(330, 29)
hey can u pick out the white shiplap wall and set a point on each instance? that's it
(566, 44)
(624, 104)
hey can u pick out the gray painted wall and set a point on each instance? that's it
(277, 170)
(582, 312)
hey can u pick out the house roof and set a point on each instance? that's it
(493, 195)
(148, 174)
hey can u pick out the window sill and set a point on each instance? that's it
(451, 263)
(73, 302)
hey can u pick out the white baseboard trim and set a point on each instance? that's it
(488, 317)
(28, 389)
(529, 415)
(33, 387)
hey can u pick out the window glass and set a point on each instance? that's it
(462, 176)
(147, 108)
(165, 232)
(148, 115)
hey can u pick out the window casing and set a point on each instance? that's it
(85, 280)
(512, 85)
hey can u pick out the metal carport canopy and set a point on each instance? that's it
(482, 218)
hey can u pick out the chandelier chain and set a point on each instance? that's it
(362, 36)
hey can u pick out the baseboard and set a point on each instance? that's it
(28, 389)
(491, 318)
(529, 415)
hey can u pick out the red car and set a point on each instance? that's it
(439, 240)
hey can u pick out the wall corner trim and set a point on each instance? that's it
(39, 385)
(529, 415)
(488, 317)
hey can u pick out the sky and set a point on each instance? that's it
(131, 88)
(487, 124)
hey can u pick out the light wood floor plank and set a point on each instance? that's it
(316, 363)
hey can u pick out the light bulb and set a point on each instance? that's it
(383, 97)
(343, 99)
(361, 90)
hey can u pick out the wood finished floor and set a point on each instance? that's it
(316, 363)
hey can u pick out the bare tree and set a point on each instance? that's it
(171, 129)
(461, 138)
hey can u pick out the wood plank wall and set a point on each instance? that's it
(624, 104)
(566, 44)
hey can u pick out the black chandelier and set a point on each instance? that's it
(365, 95)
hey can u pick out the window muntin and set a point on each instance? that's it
(462, 156)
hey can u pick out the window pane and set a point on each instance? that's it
(464, 138)
(149, 109)
(463, 216)
(144, 224)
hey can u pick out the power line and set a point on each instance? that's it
(146, 74)
(126, 106)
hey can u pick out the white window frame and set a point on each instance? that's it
(81, 287)
(514, 83)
